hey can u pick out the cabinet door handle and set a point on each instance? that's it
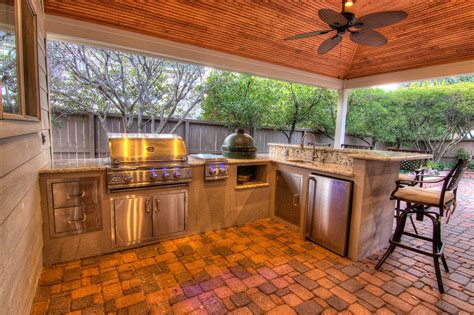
(296, 199)
(147, 206)
(81, 195)
(157, 205)
(82, 220)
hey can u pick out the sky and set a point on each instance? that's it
(388, 87)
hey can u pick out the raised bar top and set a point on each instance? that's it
(374, 155)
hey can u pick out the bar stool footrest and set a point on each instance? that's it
(417, 250)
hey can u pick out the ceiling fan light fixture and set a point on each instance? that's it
(349, 3)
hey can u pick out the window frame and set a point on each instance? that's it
(20, 66)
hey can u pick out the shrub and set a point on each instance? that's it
(463, 154)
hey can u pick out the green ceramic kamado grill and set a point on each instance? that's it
(239, 145)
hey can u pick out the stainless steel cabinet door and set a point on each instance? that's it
(288, 195)
(133, 219)
(169, 213)
(329, 212)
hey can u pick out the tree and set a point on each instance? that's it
(238, 100)
(368, 116)
(440, 116)
(301, 106)
(8, 72)
(104, 81)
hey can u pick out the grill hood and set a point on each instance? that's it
(145, 147)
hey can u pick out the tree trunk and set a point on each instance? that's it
(140, 122)
(153, 123)
(290, 135)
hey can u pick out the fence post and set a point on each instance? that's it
(91, 136)
(186, 133)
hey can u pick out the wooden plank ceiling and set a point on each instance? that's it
(435, 32)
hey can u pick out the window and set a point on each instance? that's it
(19, 98)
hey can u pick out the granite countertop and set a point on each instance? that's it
(97, 165)
(261, 158)
(328, 168)
(374, 155)
(75, 166)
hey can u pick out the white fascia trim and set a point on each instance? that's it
(425, 73)
(61, 28)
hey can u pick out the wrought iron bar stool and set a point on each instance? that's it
(423, 202)
(414, 171)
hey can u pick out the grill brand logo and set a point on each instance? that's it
(150, 149)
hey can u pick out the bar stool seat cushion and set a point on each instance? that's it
(419, 195)
(406, 177)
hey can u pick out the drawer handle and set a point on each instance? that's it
(84, 219)
(157, 205)
(147, 206)
(81, 195)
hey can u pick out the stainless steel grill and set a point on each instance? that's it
(142, 160)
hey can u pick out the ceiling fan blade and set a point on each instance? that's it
(329, 44)
(309, 34)
(380, 19)
(332, 17)
(368, 37)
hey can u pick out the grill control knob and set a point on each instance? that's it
(177, 174)
(213, 171)
(165, 175)
(153, 177)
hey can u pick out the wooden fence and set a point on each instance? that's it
(80, 136)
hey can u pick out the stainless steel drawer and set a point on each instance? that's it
(73, 220)
(74, 193)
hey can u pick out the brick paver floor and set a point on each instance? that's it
(264, 267)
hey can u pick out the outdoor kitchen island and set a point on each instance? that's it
(212, 205)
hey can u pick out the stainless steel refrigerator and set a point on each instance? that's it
(329, 212)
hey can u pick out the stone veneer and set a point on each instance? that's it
(321, 154)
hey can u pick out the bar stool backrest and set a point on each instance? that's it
(353, 146)
(320, 144)
(455, 175)
(411, 165)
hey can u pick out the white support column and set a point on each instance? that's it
(343, 96)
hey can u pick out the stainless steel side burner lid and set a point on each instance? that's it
(141, 160)
(215, 167)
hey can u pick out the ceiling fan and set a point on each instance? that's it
(361, 29)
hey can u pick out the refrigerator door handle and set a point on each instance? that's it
(310, 205)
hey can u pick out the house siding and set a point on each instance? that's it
(22, 154)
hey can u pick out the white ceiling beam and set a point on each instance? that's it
(85, 33)
(424, 73)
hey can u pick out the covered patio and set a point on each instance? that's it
(220, 245)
